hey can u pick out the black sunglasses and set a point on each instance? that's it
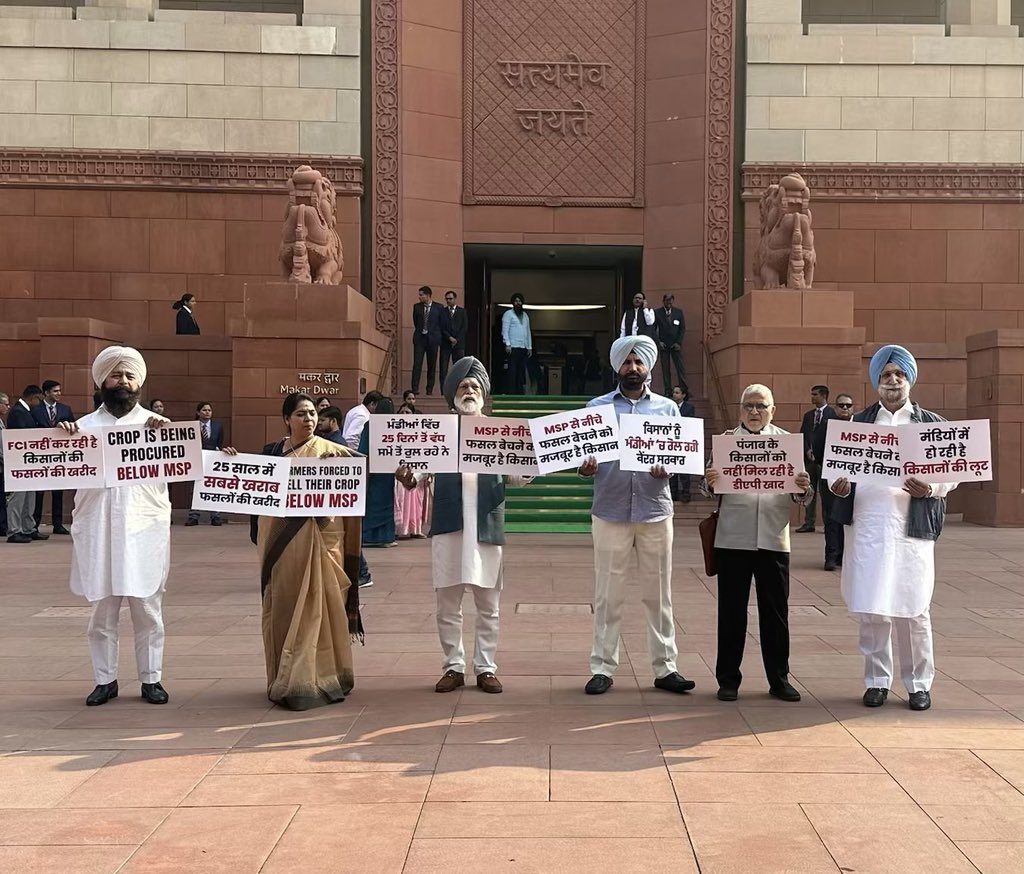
(844, 406)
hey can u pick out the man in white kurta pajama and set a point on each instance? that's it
(121, 540)
(467, 530)
(889, 562)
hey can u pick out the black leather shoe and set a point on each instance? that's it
(674, 682)
(728, 694)
(784, 692)
(875, 697)
(830, 565)
(154, 693)
(19, 538)
(920, 700)
(216, 523)
(598, 684)
(60, 529)
(102, 694)
(805, 529)
(35, 535)
(191, 522)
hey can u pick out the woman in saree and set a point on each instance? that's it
(379, 522)
(308, 565)
(411, 505)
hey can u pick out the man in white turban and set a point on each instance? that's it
(632, 513)
(468, 532)
(889, 561)
(121, 539)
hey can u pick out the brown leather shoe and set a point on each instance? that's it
(450, 681)
(488, 682)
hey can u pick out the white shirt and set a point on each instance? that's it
(627, 328)
(885, 572)
(352, 428)
(121, 536)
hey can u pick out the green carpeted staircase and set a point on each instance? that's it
(558, 503)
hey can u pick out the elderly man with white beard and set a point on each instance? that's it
(468, 532)
(632, 513)
(121, 540)
(889, 565)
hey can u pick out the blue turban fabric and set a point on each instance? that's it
(896, 355)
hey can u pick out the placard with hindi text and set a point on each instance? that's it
(496, 445)
(45, 459)
(753, 463)
(563, 441)
(243, 483)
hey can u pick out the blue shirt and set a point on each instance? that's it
(632, 496)
(515, 331)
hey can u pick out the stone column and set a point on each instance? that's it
(995, 391)
(979, 18)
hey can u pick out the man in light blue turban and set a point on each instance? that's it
(632, 512)
(889, 562)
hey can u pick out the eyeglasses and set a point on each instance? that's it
(844, 406)
(760, 408)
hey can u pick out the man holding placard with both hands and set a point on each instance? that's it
(889, 567)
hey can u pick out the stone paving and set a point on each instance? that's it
(539, 779)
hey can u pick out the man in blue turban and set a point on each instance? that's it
(632, 512)
(889, 562)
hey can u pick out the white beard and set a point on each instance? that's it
(468, 406)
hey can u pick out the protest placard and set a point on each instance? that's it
(420, 442)
(493, 445)
(135, 454)
(750, 463)
(947, 452)
(326, 487)
(255, 484)
(564, 440)
(862, 452)
(674, 442)
(44, 459)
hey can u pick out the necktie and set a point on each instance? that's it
(817, 417)
(53, 415)
(426, 317)
(636, 319)
(206, 430)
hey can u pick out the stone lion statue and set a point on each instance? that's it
(310, 245)
(785, 254)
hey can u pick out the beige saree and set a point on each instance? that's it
(310, 604)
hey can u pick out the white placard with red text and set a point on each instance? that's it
(674, 442)
(45, 459)
(139, 455)
(947, 452)
(752, 463)
(495, 445)
(423, 443)
(333, 486)
(564, 440)
(254, 484)
(862, 453)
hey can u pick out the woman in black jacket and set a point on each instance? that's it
(187, 323)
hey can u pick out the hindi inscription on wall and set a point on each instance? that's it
(554, 102)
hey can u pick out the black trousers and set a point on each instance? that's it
(673, 357)
(3, 506)
(517, 369)
(770, 571)
(835, 537)
(449, 355)
(419, 349)
(56, 505)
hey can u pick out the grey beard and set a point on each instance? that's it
(896, 394)
(468, 406)
(119, 401)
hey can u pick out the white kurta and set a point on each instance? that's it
(458, 558)
(121, 536)
(885, 572)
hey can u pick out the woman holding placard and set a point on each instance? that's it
(752, 542)
(308, 565)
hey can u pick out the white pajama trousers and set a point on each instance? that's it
(614, 545)
(148, 623)
(914, 642)
(449, 627)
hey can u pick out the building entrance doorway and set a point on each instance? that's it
(575, 296)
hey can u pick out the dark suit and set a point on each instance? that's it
(426, 340)
(454, 325)
(41, 415)
(671, 327)
(186, 323)
(3, 494)
(214, 441)
(814, 443)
